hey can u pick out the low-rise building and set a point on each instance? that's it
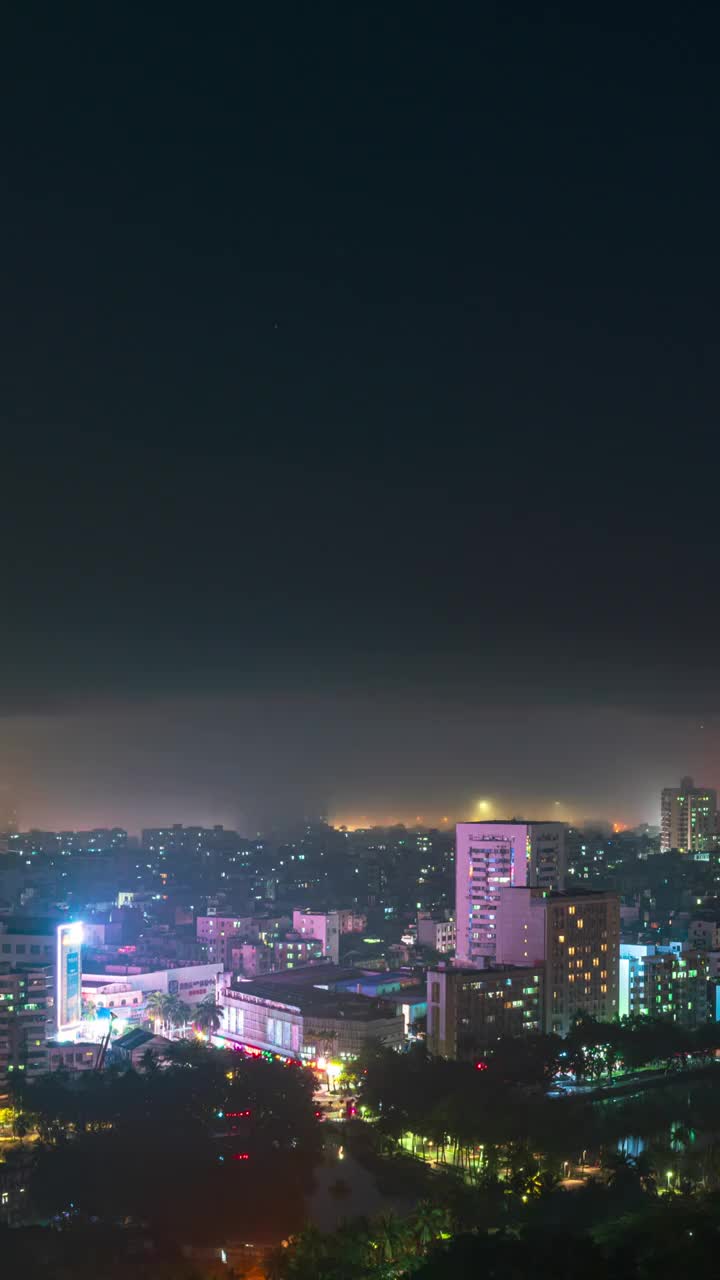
(124, 1000)
(252, 959)
(294, 950)
(126, 996)
(219, 934)
(73, 1056)
(436, 933)
(304, 1023)
(322, 925)
(132, 1047)
(351, 921)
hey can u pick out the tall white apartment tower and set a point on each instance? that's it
(490, 856)
(687, 817)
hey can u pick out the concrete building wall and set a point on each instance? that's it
(469, 1010)
(582, 941)
(323, 925)
(521, 926)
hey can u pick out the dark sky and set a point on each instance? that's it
(359, 392)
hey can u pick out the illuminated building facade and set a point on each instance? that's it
(68, 977)
(490, 856)
(322, 925)
(664, 982)
(219, 934)
(126, 994)
(577, 936)
(439, 935)
(304, 1023)
(292, 951)
(687, 818)
(72, 1056)
(582, 942)
(23, 1022)
(469, 1009)
(38, 940)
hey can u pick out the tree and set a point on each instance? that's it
(177, 1012)
(208, 1015)
(326, 1040)
(149, 1061)
(429, 1222)
(390, 1237)
(156, 1006)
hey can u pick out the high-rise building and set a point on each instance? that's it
(687, 817)
(469, 1009)
(23, 1021)
(664, 982)
(577, 936)
(41, 940)
(490, 856)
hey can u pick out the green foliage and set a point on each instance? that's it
(208, 1015)
(158, 1147)
(386, 1246)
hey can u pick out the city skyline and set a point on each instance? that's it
(262, 762)
(359, 686)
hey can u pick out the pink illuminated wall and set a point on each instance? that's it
(489, 856)
(520, 934)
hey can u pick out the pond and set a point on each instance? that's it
(345, 1190)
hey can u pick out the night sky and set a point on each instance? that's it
(359, 399)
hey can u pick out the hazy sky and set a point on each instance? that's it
(359, 399)
(249, 761)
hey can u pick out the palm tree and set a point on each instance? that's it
(326, 1040)
(208, 1015)
(149, 1062)
(186, 1053)
(156, 1007)
(629, 1173)
(390, 1237)
(177, 1012)
(429, 1223)
(354, 1251)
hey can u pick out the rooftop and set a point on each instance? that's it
(44, 926)
(138, 1038)
(315, 1001)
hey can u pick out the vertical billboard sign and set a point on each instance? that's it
(68, 999)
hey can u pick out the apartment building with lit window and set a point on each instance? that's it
(491, 856)
(24, 995)
(687, 818)
(665, 982)
(577, 938)
(469, 1009)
